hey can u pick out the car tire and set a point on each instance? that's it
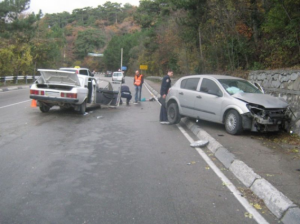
(44, 108)
(233, 122)
(173, 113)
(82, 108)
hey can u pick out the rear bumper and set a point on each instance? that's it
(54, 100)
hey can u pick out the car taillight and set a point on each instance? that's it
(34, 92)
(69, 95)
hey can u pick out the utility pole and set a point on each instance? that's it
(121, 58)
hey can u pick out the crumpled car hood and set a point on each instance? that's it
(264, 100)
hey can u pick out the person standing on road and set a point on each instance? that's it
(138, 83)
(165, 86)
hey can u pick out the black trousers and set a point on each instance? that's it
(163, 114)
(127, 96)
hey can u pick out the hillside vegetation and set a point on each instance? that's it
(190, 37)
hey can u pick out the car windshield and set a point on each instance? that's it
(233, 86)
(118, 74)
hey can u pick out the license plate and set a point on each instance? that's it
(52, 94)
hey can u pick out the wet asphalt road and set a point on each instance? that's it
(108, 166)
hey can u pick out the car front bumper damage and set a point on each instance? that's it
(260, 119)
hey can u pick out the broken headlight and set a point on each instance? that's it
(256, 110)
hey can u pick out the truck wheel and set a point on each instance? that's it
(233, 122)
(173, 113)
(44, 108)
(82, 107)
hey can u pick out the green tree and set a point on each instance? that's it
(147, 13)
(112, 54)
(88, 41)
(282, 34)
(15, 59)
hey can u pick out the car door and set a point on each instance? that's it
(209, 101)
(187, 94)
(106, 95)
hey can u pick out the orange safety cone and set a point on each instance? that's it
(33, 103)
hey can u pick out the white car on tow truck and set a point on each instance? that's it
(67, 89)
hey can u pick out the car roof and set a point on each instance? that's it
(212, 76)
(73, 68)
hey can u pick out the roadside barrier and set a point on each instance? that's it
(16, 78)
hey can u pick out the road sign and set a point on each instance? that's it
(95, 55)
(124, 68)
(144, 67)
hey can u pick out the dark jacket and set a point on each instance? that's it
(165, 85)
(125, 89)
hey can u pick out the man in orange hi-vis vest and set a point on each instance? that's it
(138, 83)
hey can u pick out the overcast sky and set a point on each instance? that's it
(57, 6)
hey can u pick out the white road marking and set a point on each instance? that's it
(10, 105)
(225, 180)
(256, 215)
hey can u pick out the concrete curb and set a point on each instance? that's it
(281, 206)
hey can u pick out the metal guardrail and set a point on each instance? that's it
(16, 78)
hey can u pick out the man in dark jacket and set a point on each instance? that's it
(125, 93)
(165, 86)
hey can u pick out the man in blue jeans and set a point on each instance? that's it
(138, 83)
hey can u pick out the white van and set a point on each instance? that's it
(118, 76)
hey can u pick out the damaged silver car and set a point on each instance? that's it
(228, 100)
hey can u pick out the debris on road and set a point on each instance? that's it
(199, 143)
(248, 215)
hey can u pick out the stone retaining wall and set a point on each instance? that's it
(281, 83)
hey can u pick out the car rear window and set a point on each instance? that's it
(190, 83)
(83, 72)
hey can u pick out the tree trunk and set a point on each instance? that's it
(200, 43)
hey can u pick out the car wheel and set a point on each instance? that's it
(44, 108)
(82, 107)
(173, 113)
(233, 122)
